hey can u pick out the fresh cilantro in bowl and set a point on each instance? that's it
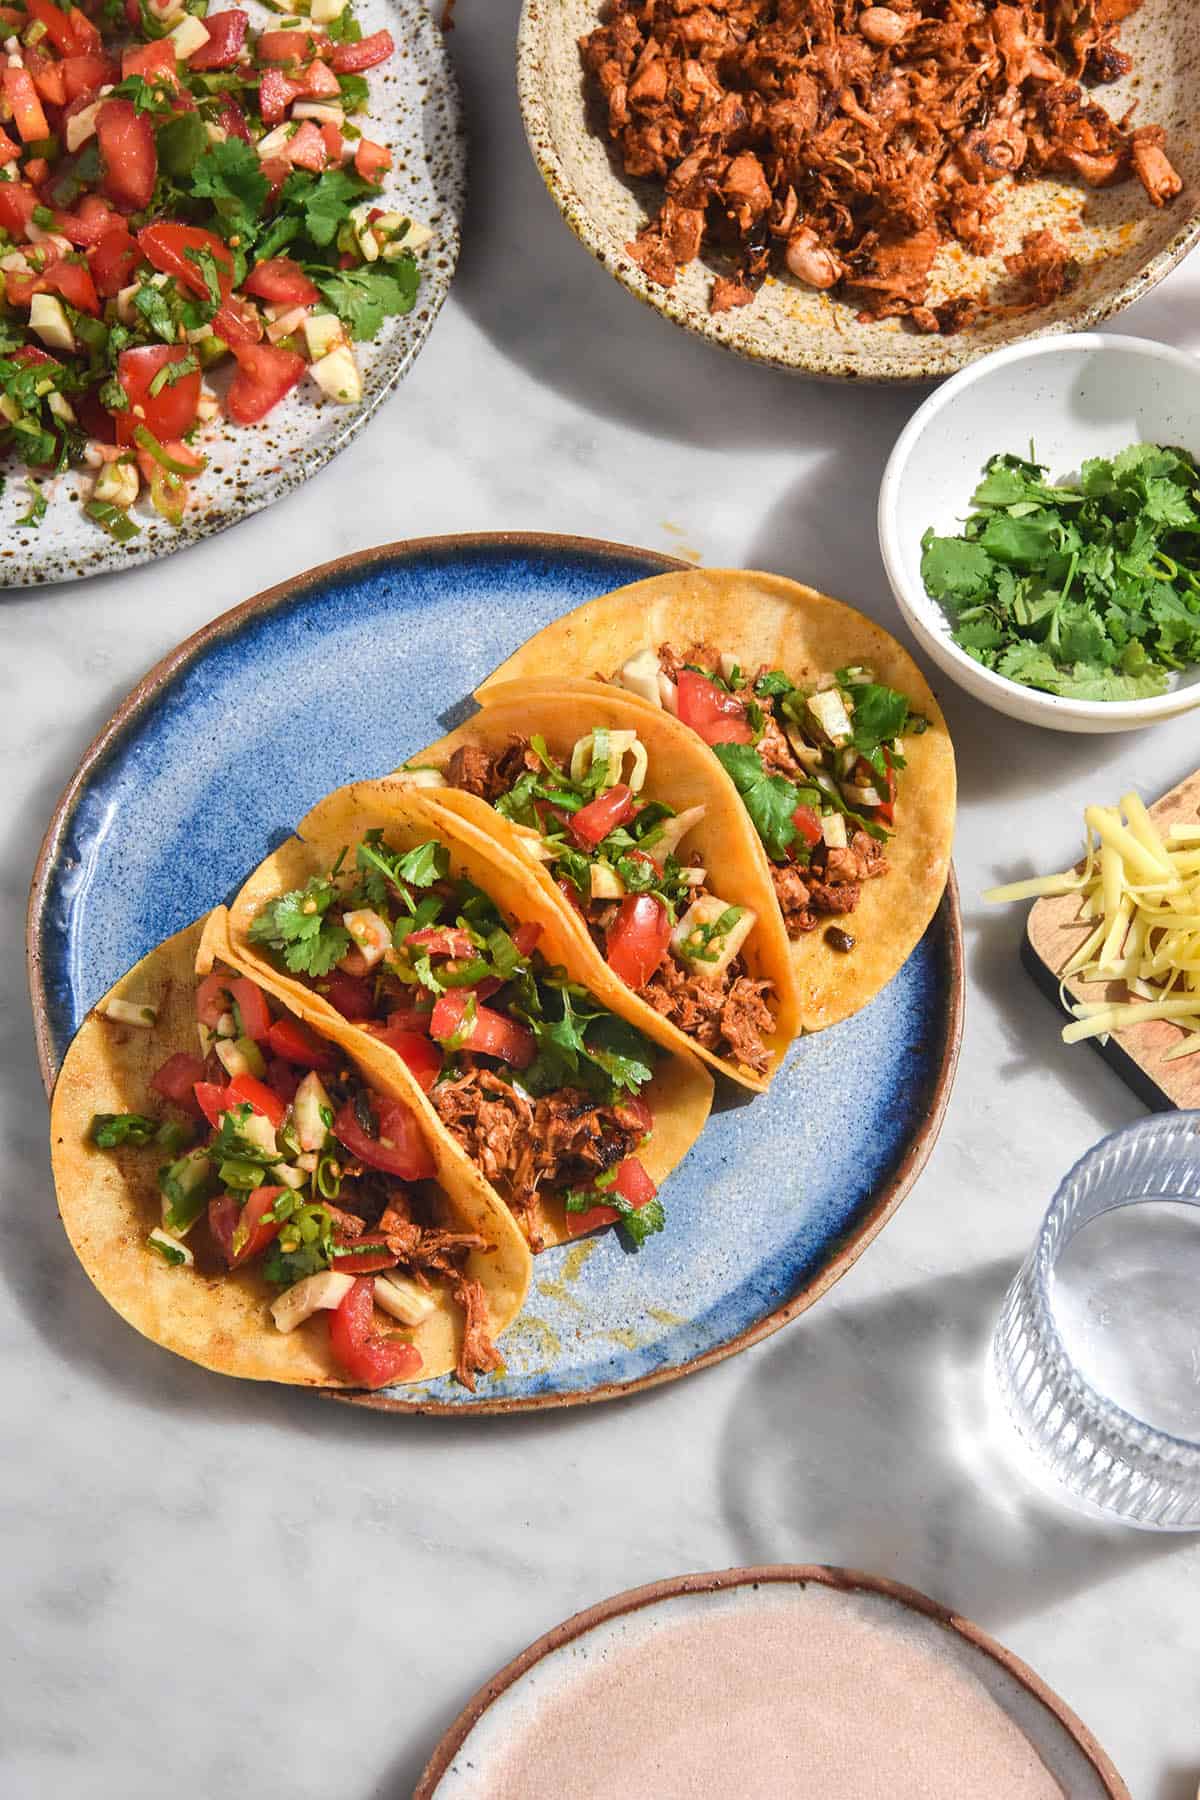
(1090, 589)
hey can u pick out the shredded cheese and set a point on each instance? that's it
(1140, 891)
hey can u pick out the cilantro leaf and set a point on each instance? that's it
(1056, 586)
(770, 800)
(364, 298)
(295, 927)
(230, 175)
(637, 1222)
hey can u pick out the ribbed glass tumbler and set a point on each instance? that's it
(1096, 1358)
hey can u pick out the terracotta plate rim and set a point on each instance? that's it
(767, 1574)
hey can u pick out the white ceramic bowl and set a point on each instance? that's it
(1071, 397)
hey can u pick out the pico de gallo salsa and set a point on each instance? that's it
(617, 853)
(278, 1153)
(539, 1083)
(817, 766)
(181, 193)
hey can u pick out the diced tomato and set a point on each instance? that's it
(16, 208)
(492, 1034)
(95, 420)
(226, 35)
(89, 222)
(9, 152)
(441, 940)
(297, 1042)
(716, 716)
(72, 280)
(232, 120)
(177, 1079)
(320, 82)
(351, 59)
(248, 1089)
(632, 1183)
(85, 74)
(307, 149)
(153, 62)
(332, 139)
(593, 822)
(638, 939)
(371, 161)
(364, 1255)
(281, 282)
(126, 140)
(525, 937)
(237, 322)
(363, 1355)
(417, 1051)
(808, 824)
(167, 414)
(47, 79)
(37, 169)
(22, 97)
(351, 995)
(289, 46)
(239, 1230)
(213, 1100)
(69, 31)
(400, 1148)
(282, 1079)
(251, 1003)
(275, 95)
(212, 996)
(166, 244)
(112, 261)
(264, 375)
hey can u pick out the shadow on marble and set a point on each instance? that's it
(860, 1437)
(1182, 1782)
(1033, 1025)
(563, 319)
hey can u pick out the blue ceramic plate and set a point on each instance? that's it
(342, 673)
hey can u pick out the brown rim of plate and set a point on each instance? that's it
(890, 1193)
(224, 625)
(799, 1574)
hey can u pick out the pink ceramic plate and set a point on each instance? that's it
(765, 1682)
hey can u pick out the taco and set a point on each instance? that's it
(824, 726)
(260, 1196)
(627, 826)
(469, 983)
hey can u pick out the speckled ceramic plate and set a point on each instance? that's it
(1124, 243)
(344, 672)
(763, 1682)
(415, 102)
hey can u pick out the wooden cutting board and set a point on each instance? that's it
(1053, 932)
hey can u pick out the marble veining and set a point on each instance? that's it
(214, 1589)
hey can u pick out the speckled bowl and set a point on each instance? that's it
(1125, 245)
(415, 104)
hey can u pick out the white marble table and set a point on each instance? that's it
(213, 1590)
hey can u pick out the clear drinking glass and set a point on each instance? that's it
(1096, 1358)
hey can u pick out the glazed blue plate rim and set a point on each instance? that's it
(843, 1248)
